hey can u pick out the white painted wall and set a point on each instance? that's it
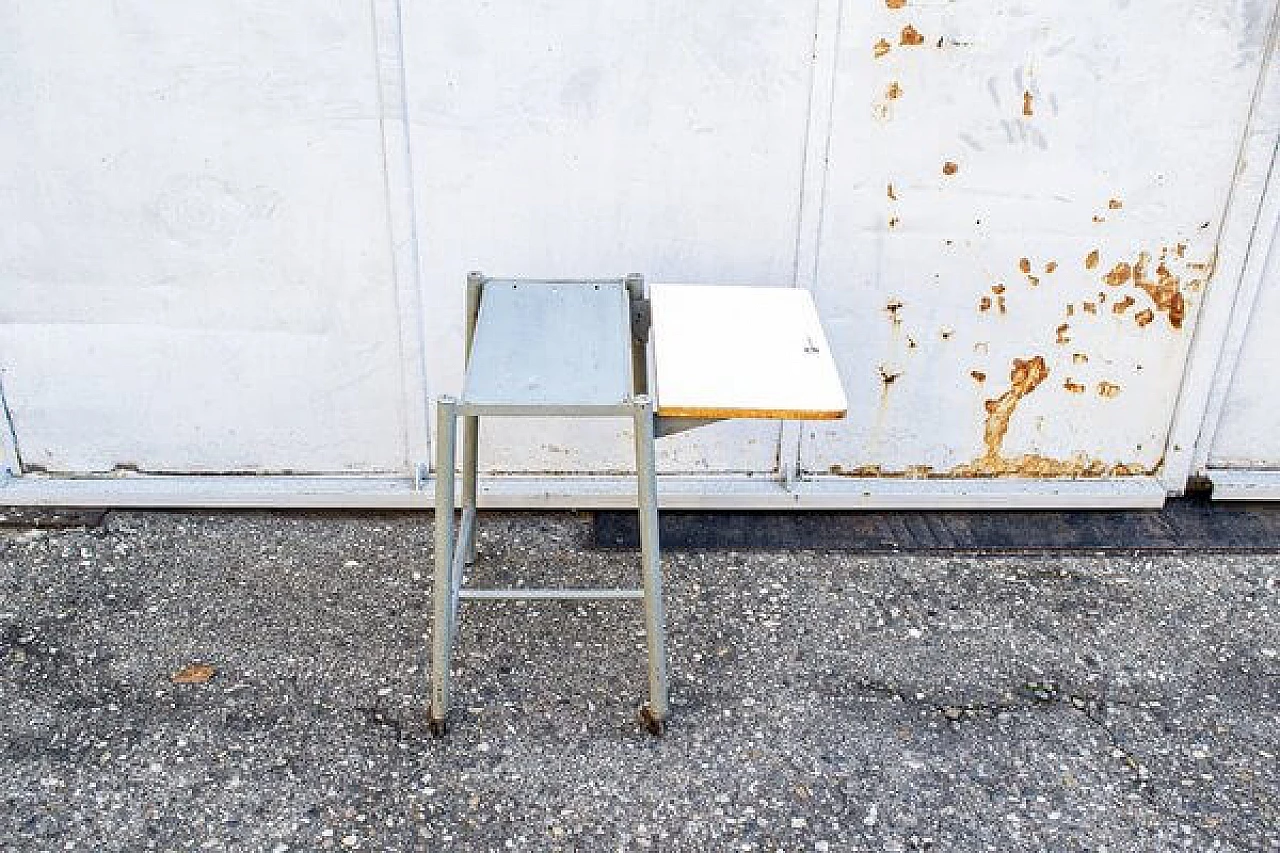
(1248, 435)
(1146, 110)
(575, 139)
(195, 260)
(236, 229)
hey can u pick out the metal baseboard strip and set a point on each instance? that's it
(582, 492)
(1245, 485)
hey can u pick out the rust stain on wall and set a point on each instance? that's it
(1123, 305)
(978, 375)
(1089, 307)
(911, 36)
(984, 304)
(1144, 317)
(1024, 264)
(1025, 376)
(893, 306)
(1164, 291)
(1051, 267)
(949, 168)
(894, 91)
(1091, 260)
(889, 190)
(880, 48)
(1079, 358)
(1115, 204)
(1120, 274)
(1108, 389)
(1027, 104)
(895, 4)
(1073, 386)
(1063, 338)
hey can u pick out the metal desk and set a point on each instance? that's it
(581, 348)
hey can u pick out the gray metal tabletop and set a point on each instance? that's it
(540, 344)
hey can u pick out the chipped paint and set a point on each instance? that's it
(950, 168)
(1063, 337)
(1024, 264)
(1144, 317)
(1051, 267)
(1123, 305)
(1079, 358)
(911, 36)
(1115, 204)
(894, 91)
(1028, 101)
(1089, 307)
(1091, 260)
(1073, 386)
(889, 191)
(978, 375)
(984, 304)
(895, 4)
(880, 48)
(1108, 389)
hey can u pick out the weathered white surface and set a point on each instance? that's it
(577, 139)
(210, 243)
(1248, 435)
(1127, 104)
(195, 259)
(726, 352)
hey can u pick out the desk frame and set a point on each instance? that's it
(454, 551)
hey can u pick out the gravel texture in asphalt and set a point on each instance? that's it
(822, 701)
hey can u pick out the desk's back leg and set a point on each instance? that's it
(470, 461)
(653, 715)
(442, 590)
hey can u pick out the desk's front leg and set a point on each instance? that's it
(442, 596)
(653, 715)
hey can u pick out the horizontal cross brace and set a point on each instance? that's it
(548, 594)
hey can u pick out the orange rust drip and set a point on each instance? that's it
(881, 48)
(1024, 378)
(911, 36)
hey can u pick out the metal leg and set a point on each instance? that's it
(654, 715)
(470, 453)
(442, 591)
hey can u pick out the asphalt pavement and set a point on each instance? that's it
(254, 681)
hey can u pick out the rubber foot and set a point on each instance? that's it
(652, 724)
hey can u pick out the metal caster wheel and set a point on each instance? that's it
(652, 724)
